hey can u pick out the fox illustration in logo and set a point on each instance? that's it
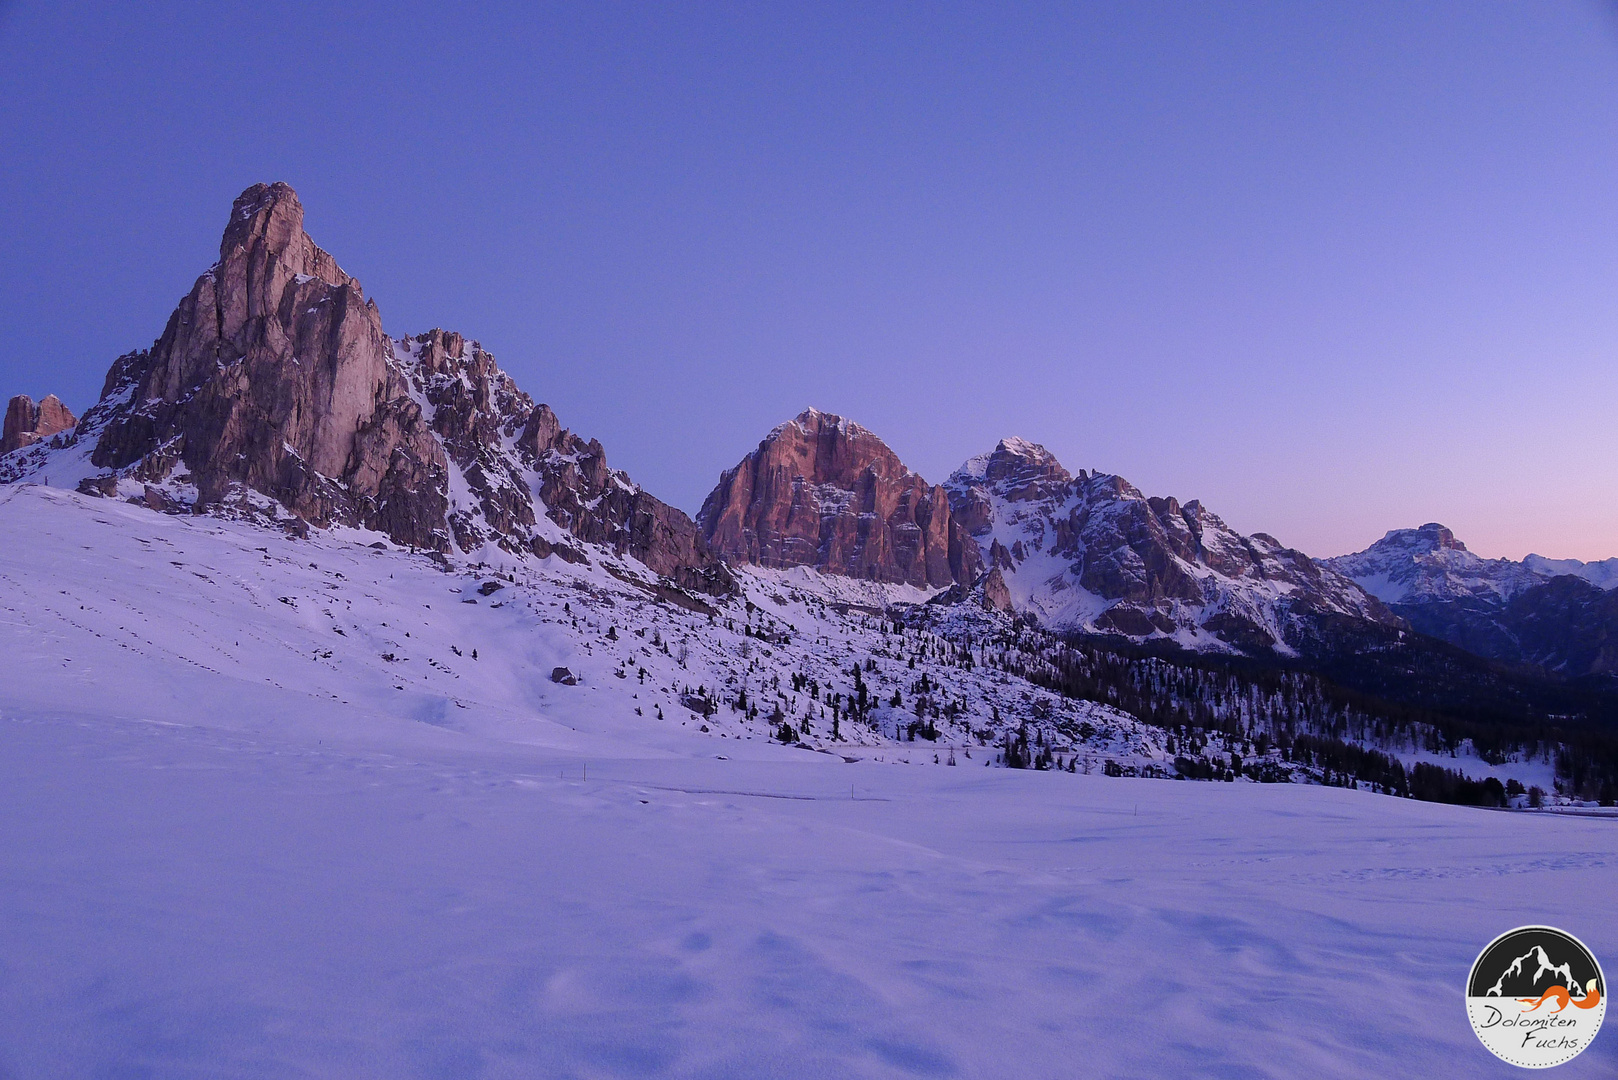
(1559, 994)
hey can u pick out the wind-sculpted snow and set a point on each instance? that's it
(274, 887)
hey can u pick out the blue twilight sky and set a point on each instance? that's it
(1331, 268)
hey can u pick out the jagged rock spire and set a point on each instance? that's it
(274, 378)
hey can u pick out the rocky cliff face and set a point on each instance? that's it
(27, 423)
(823, 492)
(1090, 552)
(1559, 614)
(529, 483)
(273, 376)
(275, 381)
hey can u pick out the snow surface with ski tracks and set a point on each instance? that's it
(236, 841)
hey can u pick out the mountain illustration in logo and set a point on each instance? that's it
(1516, 982)
(1529, 962)
(1536, 997)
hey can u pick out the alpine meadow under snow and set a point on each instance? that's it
(360, 721)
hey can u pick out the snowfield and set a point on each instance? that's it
(296, 808)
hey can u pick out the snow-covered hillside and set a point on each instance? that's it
(102, 593)
(246, 880)
(277, 805)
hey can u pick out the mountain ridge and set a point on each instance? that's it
(1090, 552)
(274, 392)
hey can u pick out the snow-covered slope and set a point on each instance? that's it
(1091, 552)
(233, 895)
(108, 601)
(191, 611)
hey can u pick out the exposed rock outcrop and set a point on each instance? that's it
(822, 491)
(28, 423)
(273, 376)
(996, 596)
(1090, 552)
(274, 379)
(534, 485)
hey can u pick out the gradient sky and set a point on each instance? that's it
(1331, 268)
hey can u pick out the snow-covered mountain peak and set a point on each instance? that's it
(1429, 563)
(1559, 614)
(1425, 565)
(1092, 552)
(1603, 574)
(1428, 538)
(1012, 465)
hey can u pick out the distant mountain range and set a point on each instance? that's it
(1558, 614)
(274, 394)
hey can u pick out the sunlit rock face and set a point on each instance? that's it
(274, 385)
(822, 491)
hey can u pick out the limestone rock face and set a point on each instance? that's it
(535, 485)
(27, 423)
(823, 492)
(1090, 552)
(274, 390)
(996, 596)
(274, 376)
